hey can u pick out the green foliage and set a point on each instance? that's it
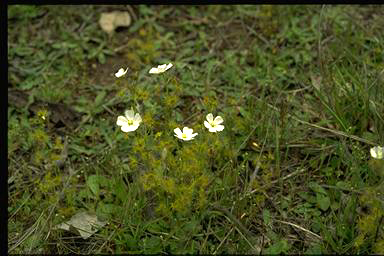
(300, 92)
(279, 247)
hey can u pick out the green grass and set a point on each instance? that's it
(301, 92)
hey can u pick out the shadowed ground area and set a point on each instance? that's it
(301, 93)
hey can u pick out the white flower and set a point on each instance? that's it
(121, 72)
(160, 68)
(187, 133)
(129, 122)
(377, 152)
(214, 125)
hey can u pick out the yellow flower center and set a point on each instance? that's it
(212, 124)
(184, 136)
(130, 122)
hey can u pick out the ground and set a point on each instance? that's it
(300, 90)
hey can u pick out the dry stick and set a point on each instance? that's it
(238, 225)
(68, 248)
(86, 119)
(108, 239)
(26, 234)
(275, 181)
(118, 49)
(301, 228)
(374, 104)
(334, 131)
(222, 242)
(206, 236)
(258, 35)
(344, 189)
(131, 12)
(225, 238)
(257, 250)
(21, 205)
(377, 230)
(163, 233)
(109, 110)
(190, 117)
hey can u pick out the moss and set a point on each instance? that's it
(49, 182)
(369, 223)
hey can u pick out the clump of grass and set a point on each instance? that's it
(176, 173)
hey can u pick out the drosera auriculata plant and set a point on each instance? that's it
(179, 181)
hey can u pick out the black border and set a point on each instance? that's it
(4, 131)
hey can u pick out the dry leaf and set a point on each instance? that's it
(316, 81)
(110, 21)
(83, 223)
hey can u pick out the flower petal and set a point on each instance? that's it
(377, 152)
(121, 120)
(129, 114)
(154, 71)
(129, 128)
(137, 118)
(162, 67)
(207, 125)
(218, 120)
(169, 66)
(178, 132)
(213, 129)
(210, 117)
(187, 131)
(121, 72)
(219, 127)
(373, 152)
(189, 137)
